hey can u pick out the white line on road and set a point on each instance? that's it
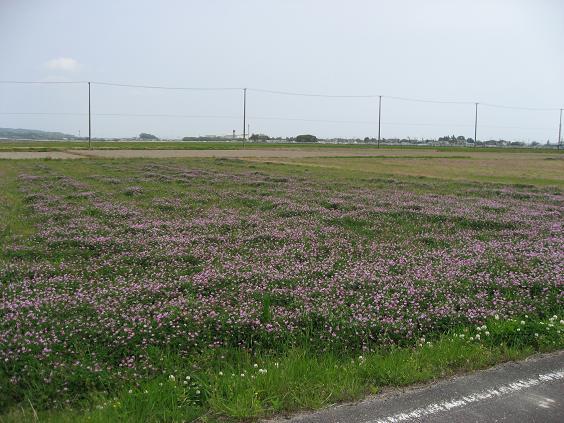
(472, 398)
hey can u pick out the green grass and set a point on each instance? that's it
(14, 219)
(234, 385)
(32, 145)
(486, 167)
(296, 378)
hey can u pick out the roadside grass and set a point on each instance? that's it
(238, 385)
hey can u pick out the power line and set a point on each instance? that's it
(159, 87)
(281, 92)
(44, 113)
(312, 120)
(420, 100)
(112, 84)
(166, 115)
(44, 82)
(534, 109)
(280, 118)
(301, 94)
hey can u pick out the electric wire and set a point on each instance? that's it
(286, 93)
(279, 118)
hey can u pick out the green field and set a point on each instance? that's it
(204, 289)
(31, 145)
(487, 167)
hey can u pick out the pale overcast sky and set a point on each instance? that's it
(491, 51)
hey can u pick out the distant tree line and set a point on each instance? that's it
(456, 139)
(259, 137)
(306, 138)
(147, 137)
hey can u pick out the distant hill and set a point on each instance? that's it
(33, 134)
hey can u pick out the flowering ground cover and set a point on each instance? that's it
(178, 289)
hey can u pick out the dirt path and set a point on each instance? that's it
(16, 155)
(253, 153)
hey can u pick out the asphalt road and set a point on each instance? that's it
(527, 391)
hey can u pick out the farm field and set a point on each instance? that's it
(31, 145)
(236, 288)
(54, 145)
(492, 167)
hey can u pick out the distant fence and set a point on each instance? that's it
(470, 123)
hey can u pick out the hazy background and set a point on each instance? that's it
(504, 52)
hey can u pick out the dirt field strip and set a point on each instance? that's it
(18, 155)
(256, 153)
(272, 153)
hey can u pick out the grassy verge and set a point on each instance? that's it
(236, 385)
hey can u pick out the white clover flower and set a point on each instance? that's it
(484, 327)
(171, 378)
(130, 391)
(562, 322)
(522, 322)
(255, 365)
(242, 374)
(471, 338)
(221, 373)
(477, 337)
(536, 335)
(496, 317)
(487, 333)
(187, 377)
(262, 371)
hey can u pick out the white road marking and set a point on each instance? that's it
(472, 398)
(546, 403)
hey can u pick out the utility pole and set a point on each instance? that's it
(89, 121)
(244, 114)
(379, 117)
(560, 130)
(476, 127)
